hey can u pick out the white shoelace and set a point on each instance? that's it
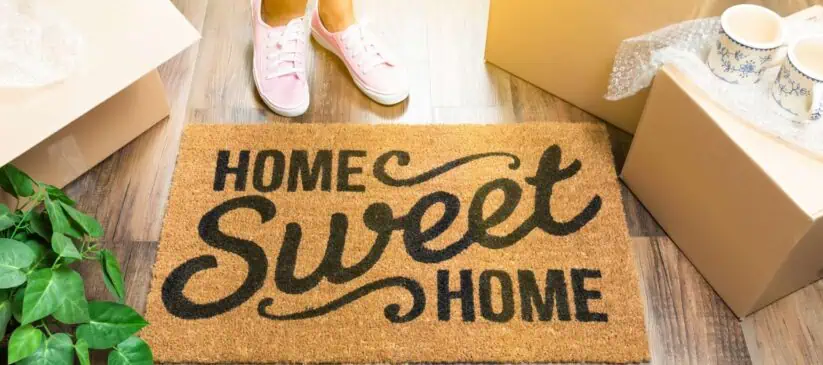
(286, 56)
(363, 47)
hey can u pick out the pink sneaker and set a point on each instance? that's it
(280, 64)
(373, 70)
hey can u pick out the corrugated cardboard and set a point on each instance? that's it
(743, 206)
(567, 47)
(59, 131)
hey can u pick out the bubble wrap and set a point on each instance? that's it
(37, 46)
(686, 46)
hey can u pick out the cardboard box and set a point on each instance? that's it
(744, 207)
(59, 131)
(567, 47)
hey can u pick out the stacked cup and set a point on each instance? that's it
(752, 40)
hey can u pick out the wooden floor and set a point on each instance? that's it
(442, 43)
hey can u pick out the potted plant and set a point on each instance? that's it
(44, 313)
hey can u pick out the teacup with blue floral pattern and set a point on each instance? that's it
(750, 42)
(798, 89)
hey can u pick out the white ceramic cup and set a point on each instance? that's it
(798, 89)
(750, 42)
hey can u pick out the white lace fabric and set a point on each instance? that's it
(38, 46)
(364, 48)
(686, 46)
(287, 50)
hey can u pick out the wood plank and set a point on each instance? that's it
(129, 189)
(687, 323)
(789, 331)
(457, 37)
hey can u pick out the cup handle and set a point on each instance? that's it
(779, 57)
(816, 108)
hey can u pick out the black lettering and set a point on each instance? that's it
(506, 292)
(548, 174)
(321, 169)
(582, 296)
(556, 294)
(222, 169)
(414, 238)
(172, 291)
(278, 170)
(465, 294)
(344, 171)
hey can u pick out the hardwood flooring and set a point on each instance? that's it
(442, 42)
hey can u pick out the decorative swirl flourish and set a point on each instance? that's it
(403, 159)
(392, 311)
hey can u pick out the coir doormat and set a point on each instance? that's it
(364, 244)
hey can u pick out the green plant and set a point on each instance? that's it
(42, 298)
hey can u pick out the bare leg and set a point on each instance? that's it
(337, 15)
(279, 12)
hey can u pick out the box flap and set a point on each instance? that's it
(797, 172)
(124, 40)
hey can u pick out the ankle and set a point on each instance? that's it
(279, 12)
(279, 19)
(336, 21)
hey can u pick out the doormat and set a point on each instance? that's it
(369, 244)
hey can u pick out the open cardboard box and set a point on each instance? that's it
(59, 131)
(567, 47)
(745, 207)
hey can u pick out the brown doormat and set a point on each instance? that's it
(364, 244)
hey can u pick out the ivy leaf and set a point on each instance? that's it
(57, 350)
(14, 256)
(43, 294)
(132, 351)
(111, 323)
(56, 194)
(81, 348)
(17, 304)
(112, 275)
(64, 246)
(87, 223)
(24, 342)
(15, 182)
(40, 225)
(59, 222)
(74, 308)
(5, 311)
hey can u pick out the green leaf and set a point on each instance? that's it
(59, 222)
(57, 350)
(17, 304)
(112, 275)
(15, 182)
(4, 209)
(64, 246)
(82, 350)
(111, 323)
(56, 194)
(14, 256)
(40, 225)
(5, 311)
(6, 221)
(39, 252)
(74, 308)
(24, 342)
(43, 294)
(132, 351)
(87, 223)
